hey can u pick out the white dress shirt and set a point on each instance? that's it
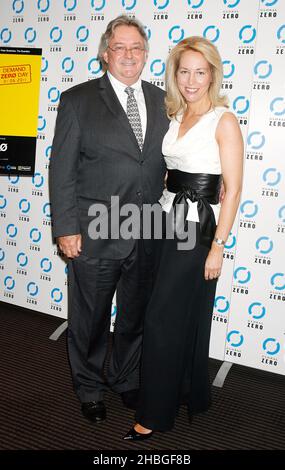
(119, 89)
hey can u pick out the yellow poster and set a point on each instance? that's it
(20, 70)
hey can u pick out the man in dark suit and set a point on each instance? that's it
(107, 143)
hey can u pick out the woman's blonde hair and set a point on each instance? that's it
(175, 102)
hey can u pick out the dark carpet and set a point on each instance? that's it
(39, 410)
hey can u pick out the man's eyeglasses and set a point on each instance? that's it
(120, 50)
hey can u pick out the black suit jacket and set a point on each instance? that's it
(95, 155)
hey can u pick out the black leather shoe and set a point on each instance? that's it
(94, 411)
(133, 435)
(130, 399)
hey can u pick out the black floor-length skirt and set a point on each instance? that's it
(176, 336)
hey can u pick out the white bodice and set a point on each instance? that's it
(197, 151)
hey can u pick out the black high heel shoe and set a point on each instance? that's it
(133, 435)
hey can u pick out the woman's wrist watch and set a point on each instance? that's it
(219, 241)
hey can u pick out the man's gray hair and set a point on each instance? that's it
(122, 20)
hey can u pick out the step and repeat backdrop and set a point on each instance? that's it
(249, 314)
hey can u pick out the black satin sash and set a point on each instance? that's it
(203, 188)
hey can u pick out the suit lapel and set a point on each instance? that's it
(113, 104)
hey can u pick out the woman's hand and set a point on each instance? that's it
(214, 261)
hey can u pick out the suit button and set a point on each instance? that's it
(139, 193)
(141, 162)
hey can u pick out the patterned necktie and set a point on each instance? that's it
(134, 116)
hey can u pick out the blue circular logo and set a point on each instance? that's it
(241, 104)
(247, 34)
(5, 35)
(249, 209)
(38, 180)
(48, 151)
(255, 140)
(18, 6)
(147, 32)
(229, 68)
(263, 69)
(281, 214)
(257, 310)
(271, 346)
(46, 265)
(176, 34)
(231, 241)
(94, 66)
(67, 64)
(212, 33)
(30, 35)
(53, 94)
(222, 305)
(13, 179)
(242, 275)
(235, 338)
(157, 67)
(47, 210)
(9, 283)
(264, 245)
(55, 34)
(41, 123)
(70, 5)
(161, 4)
(3, 202)
(231, 3)
(11, 230)
(44, 65)
(98, 4)
(43, 5)
(129, 4)
(267, 3)
(281, 33)
(277, 101)
(2, 255)
(198, 3)
(82, 33)
(276, 281)
(56, 295)
(32, 289)
(24, 206)
(35, 235)
(271, 176)
(22, 259)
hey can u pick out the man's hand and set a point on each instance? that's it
(70, 245)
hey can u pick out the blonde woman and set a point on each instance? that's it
(202, 147)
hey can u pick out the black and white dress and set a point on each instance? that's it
(178, 318)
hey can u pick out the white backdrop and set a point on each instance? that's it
(249, 317)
